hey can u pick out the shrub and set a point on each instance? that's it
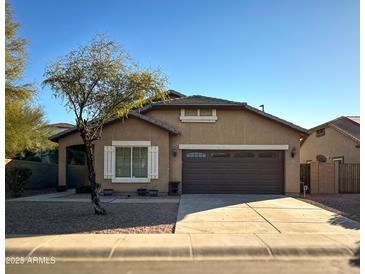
(15, 178)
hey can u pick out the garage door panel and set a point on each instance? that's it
(252, 171)
(255, 166)
(246, 184)
(232, 165)
(231, 174)
(232, 161)
(232, 177)
(235, 170)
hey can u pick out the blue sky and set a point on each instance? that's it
(299, 58)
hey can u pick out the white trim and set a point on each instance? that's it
(338, 159)
(130, 180)
(198, 119)
(109, 166)
(153, 162)
(131, 143)
(233, 147)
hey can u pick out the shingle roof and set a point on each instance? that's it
(345, 125)
(277, 119)
(195, 100)
(62, 125)
(204, 101)
(174, 93)
(354, 118)
(133, 113)
(191, 101)
(155, 122)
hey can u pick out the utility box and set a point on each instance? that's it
(174, 188)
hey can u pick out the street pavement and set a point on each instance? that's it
(249, 266)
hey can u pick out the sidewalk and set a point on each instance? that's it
(132, 247)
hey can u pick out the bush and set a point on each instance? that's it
(15, 178)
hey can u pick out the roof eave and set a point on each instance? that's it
(344, 133)
(57, 136)
(304, 132)
(170, 106)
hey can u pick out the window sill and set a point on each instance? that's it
(198, 119)
(131, 180)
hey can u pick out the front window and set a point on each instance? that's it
(131, 162)
(206, 112)
(243, 154)
(267, 155)
(191, 112)
(198, 115)
(196, 155)
(220, 155)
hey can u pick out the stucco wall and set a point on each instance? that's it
(134, 129)
(131, 129)
(70, 140)
(233, 127)
(332, 144)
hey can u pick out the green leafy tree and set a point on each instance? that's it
(24, 120)
(97, 82)
(25, 129)
(15, 59)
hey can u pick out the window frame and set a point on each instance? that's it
(321, 132)
(340, 159)
(131, 144)
(198, 119)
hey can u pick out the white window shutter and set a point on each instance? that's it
(153, 162)
(109, 162)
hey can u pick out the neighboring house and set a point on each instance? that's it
(58, 127)
(210, 145)
(337, 140)
(50, 156)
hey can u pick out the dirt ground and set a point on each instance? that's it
(345, 204)
(77, 217)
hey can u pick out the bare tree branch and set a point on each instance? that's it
(99, 81)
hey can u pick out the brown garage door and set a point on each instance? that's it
(233, 171)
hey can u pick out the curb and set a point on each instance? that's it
(174, 246)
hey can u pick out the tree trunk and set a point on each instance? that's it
(95, 187)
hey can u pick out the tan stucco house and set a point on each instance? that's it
(337, 140)
(209, 145)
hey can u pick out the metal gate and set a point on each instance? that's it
(305, 177)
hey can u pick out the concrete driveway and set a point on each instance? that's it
(257, 214)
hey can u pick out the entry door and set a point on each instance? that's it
(337, 162)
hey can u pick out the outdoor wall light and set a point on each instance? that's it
(174, 152)
(293, 152)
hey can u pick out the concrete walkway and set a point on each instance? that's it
(179, 246)
(71, 196)
(259, 214)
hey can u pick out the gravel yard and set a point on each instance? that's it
(344, 204)
(77, 217)
(31, 192)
